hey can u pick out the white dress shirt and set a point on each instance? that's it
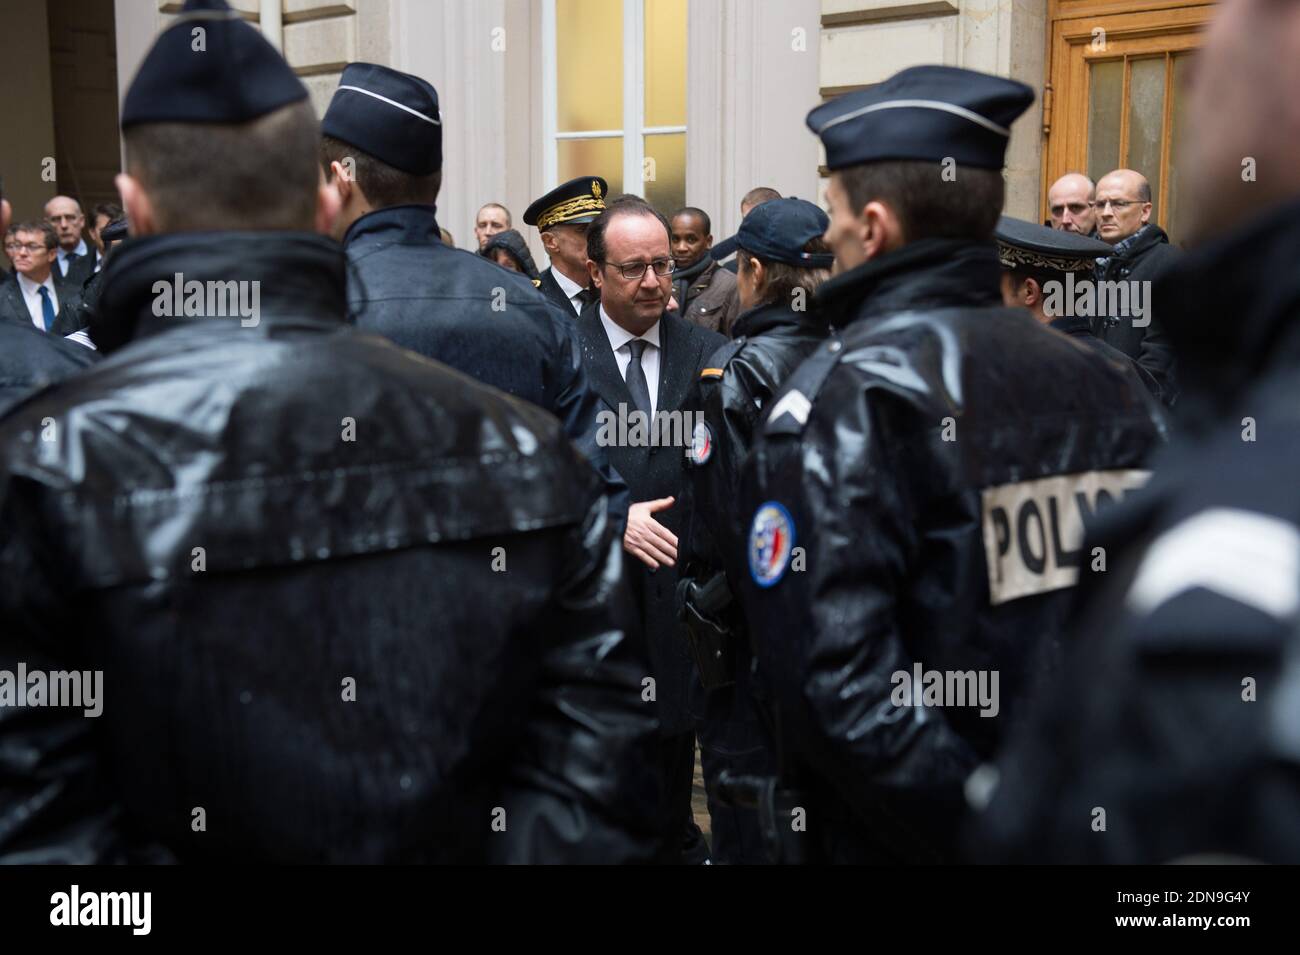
(32, 296)
(570, 288)
(81, 249)
(618, 339)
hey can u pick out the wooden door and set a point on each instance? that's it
(1114, 99)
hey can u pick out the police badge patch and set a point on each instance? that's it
(701, 444)
(771, 539)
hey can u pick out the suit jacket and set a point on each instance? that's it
(551, 289)
(81, 270)
(13, 307)
(653, 472)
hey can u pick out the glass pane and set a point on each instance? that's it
(1146, 120)
(665, 157)
(665, 62)
(1177, 128)
(1105, 102)
(588, 65)
(592, 157)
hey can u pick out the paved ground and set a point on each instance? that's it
(698, 801)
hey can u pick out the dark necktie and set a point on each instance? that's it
(67, 262)
(47, 309)
(587, 296)
(635, 377)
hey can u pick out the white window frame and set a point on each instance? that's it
(634, 129)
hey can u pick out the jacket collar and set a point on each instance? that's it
(412, 224)
(1071, 325)
(1234, 307)
(931, 273)
(297, 274)
(764, 318)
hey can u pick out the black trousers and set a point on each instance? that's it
(684, 842)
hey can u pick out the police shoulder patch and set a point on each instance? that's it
(701, 448)
(771, 541)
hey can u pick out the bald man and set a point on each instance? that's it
(76, 262)
(1070, 203)
(1141, 254)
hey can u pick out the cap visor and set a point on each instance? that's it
(724, 249)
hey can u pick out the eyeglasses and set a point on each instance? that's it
(635, 270)
(1119, 205)
(1076, 209)
(32, 248)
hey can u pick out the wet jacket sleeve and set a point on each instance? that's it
(53, 807)
(584, 788)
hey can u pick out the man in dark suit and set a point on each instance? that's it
(562, 216)
(30, 359)
(76, 259)
(642, 361)
(34, 292)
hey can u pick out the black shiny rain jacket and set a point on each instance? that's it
(917, 503)
(348, 604)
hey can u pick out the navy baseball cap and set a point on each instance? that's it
(778, 230)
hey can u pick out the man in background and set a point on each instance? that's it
(75, 261)
(35, 291)
(1140, 254)
(30, 359)
(562, 217)
(491, 219)
(1070, 203)
(705, 292)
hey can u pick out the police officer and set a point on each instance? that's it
(381, 142)
(1046, 271)
(1173, 733)
(347, 604)
(782, 259)
(562, 217)
(915, 504)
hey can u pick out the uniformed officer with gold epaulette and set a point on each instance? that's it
(562, 217)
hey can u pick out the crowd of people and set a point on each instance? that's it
(939, 534)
